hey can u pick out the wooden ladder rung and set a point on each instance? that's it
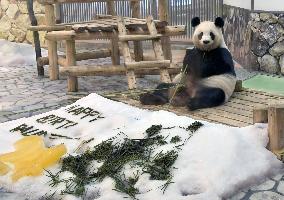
(138, 37)
(148, 64)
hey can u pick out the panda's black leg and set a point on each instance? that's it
(159, 97)
(206, 97)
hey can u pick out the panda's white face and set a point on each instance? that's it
(207, 36)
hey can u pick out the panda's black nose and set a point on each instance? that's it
(206, 41)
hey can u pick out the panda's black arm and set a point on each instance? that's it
(228, 62)
(189, 60)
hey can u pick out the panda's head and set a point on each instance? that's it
(207, 35)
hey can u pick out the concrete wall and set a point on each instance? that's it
(239, 3)
(266, 5)
(269, 5)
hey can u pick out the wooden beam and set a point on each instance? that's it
(260, 114)
(65, 35)
(102, 53)
(139, 37)
(46, 28)
(72, 81)
(109, 70)
(60, 35)
(148, 64)
(276, 127)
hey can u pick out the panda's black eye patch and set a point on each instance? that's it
(212, 35)
(200, 35)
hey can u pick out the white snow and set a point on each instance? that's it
(216, 161)
(13, 54)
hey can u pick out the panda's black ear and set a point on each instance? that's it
(219, 22)
(195, 21)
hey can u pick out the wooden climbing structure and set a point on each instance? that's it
(131, 64)
(117, 30)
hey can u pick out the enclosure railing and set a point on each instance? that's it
(180, 11)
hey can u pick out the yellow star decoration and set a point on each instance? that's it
(30, 158)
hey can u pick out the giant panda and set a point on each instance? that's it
(208, 77)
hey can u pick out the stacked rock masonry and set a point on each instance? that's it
(268, 41)
(14, 21)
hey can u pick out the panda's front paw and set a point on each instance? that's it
(152, 99)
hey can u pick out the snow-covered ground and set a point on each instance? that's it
(214, 163)
(17, 54)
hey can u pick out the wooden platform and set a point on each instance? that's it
(237, 112)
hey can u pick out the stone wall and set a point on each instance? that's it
(268, 41)
(237, 36)
(14, 20)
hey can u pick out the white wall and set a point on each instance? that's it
(240, 3)
(269, 5)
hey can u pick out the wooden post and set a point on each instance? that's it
(260, 114)
(252, 5)
(40, 69)
(138, 47)
(238, 86)
(52, 45)
(115, 55)
(110, 8)
(163, 16)
(276, 127)
(57, 13)
(72, 81)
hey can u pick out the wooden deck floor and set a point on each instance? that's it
(237, 112)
